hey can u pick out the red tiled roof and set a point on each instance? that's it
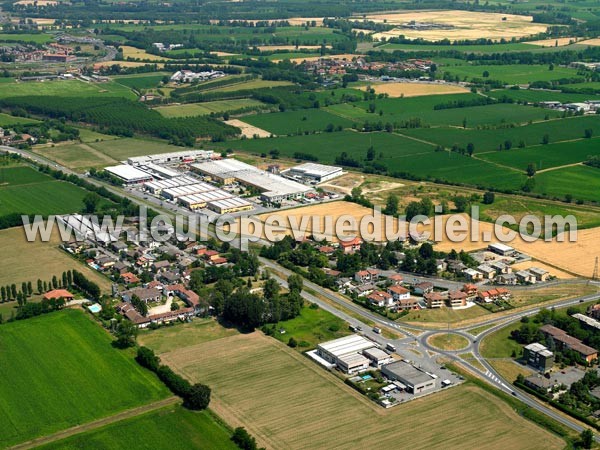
(58, 293)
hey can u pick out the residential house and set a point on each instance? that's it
(396, 279)
(351, 246)
(509, 279)
(470, 290)
(434, 300)
(189, 297)
(129, 278)
(488, 272)
(145, 294)
(217, 261)
(326, 250)
(523, 276)
(564, 340)
(169, 277)
(381, 298)
(119, 246)
(540, 384)
(540, 274)
(161, 266)
(120, 267)
(55, 294)
(457, 299)
(366, 276)
(364, 289)
(105, 262)
(399, 293)
(493, 295)
(441, 265)
(407, 304)
(472, 274)
(331, 272)
(424, 287)
(501, 268)
(594, 311)
(456, 266)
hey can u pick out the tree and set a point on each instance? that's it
(243, 440)
(587, 438)
(40, 286)
(546, 139)
(198, 397)
(370, 153)
(13, 291)
(54, 282)
(530, 170)
(295, 283)
(271, 289)
(486, 74)
(461, 203)
(470, 148)
(139, 305)
(488, 198)
(588, 133)
(292, 343)
(125, 333)
(29, 289)
(146, 358)
(3, 294)
(391, 205)
(90, 202)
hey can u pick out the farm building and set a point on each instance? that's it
(173, 157)
(274, 188)
(415, 379)
(129, 174)
(314, 172)
(346, 352)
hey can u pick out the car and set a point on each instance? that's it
(377, 330)
(353, 328)
(358, 328)
(581, 300)
(514, 393)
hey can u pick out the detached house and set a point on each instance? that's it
(399, 293)
(423, 288)
(523, 276)
(472, 274)
(434, 300)
(351, 246)
(487, 271)
(366, 276)
(457, 299)
(539, 274)
(381, 299)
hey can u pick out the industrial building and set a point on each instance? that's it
(201, 199)
(501, 249)
(156, 187)
(345, 352)
(230, 205)
(129, 174)
(179, 191)
(274, 188)
(314, 172)
(184, 156)
(160, 171)
(538, 356)
(416, 380)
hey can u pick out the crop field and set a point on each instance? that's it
(136, 53)
(511, 74)
(17, 264)
(252, 84)
(201, 109)
(534, 96)
(297, 122)
(121, 149)
(250, 131)
(496, 48)
(546, 156)
(25, 191)
(256, 378)
(557, 130)
(465, 25)
(579, 181)
(26, 37)
(172, 428)
(93, 380)
(415, 89)
(65, 88)
(141, 81)
(7, 120)
(79, 157)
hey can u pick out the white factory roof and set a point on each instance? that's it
(587, 320)
(203, 197)
(164, 171)
(234, 202)
(345, 345)
(354, 359)
(173, 156)
(171, 183)
(376, 353)
(190, 189)
(314, 169)
(128, 173)
(272, 185)
(501, 247)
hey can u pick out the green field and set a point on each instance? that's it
(534, 96)
(252, 84)
(546, 156)
(93, 380)
(7, 120)
(510, 74)
(484, 140)
(579, 181)
(25, 191)
(173, 428)
(142, 80)
(297, 122)
(25, 37)
(498, 345)
(79, 157)
(201, 109)
(496, 48)
(311, 327)
(65, 88)
(121, 149)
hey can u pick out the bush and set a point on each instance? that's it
(198, 397)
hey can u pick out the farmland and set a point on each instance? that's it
(496, 48)
(65, 88)
(415, 89)
(297, 122)
(23, 190)
(120, 149)
(200, 109)
(8, 121)
(95, 379)
(535, 96)
(579, 181)
(141, 81)
(264, 377)
(511, 74)
(172, 428)
(79, 157)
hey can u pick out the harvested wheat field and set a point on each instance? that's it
(132, 52)
(346, 56)
(270, 48)
(248, 130)
(593, 42)
(287, 401)
(123, 64)
(462, 25)
(559, 42)
(415, 89)
(225, 54)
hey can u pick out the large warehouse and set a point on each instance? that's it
(415, 379)
(129, 174)
(179, 191)
(156, 187)
(274, 188)
(346, 352)
(314, 172)
(173, 157)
